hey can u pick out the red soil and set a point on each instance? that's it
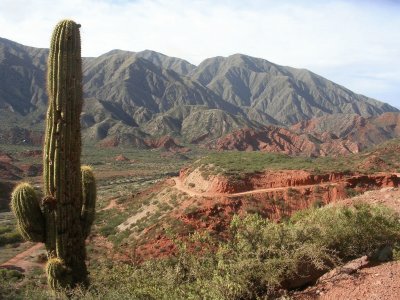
(362, 282)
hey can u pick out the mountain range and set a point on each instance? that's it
(131, 97)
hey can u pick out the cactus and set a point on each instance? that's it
(64, 219)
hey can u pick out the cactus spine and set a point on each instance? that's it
(68, 206)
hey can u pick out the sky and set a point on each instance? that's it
(355, 43)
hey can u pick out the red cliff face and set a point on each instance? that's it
(299, 178)
(365, 132)
(273, 194)
(278, 193)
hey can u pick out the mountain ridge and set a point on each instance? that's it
(129, 95)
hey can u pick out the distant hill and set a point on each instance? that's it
(338, 134)
(131, 96)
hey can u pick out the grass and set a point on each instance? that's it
(237, 163)
(9, 235)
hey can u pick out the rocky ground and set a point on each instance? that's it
(369, 283)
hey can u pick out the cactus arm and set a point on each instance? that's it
(26, 208)
(89, 199)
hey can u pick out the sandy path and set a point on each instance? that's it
(19, 261)
(136, 217)
(179, 185)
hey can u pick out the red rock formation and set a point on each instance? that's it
(281, 140)
(166, 143)
(329, 135)
(280, 193)
(364, 132)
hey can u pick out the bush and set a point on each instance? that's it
(259, 257)
(9, 235)
(349, 231)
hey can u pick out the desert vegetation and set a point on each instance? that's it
(259, 259)
(202, 256)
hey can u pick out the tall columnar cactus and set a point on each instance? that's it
(64, 217)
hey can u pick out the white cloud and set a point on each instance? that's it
(341, 40)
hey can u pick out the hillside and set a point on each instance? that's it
(131, 96)
(340, 134)
(152, 222)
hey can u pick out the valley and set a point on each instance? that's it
(151, 201)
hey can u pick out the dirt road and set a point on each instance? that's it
(179, 185)
(21, 262)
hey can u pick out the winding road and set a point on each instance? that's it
(179, 185)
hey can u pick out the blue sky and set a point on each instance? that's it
(353, 43)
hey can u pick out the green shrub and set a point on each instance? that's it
(8, 278)
(10, 275)
(9, 235)
(257, 259)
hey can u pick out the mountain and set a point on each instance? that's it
(288, 95)
(131, 96)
